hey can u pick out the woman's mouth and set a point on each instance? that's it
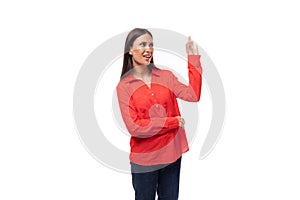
(147, 56)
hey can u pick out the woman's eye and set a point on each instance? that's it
(144, 44)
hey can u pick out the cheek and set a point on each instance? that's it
(136, 54)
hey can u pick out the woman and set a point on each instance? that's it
(147, 99)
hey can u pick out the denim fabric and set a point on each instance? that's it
(163, 179)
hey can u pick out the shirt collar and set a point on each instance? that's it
(130, 78)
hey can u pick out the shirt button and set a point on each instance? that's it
(152, 94)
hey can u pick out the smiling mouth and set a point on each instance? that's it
(147, 56)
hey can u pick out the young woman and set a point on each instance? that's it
(147, 98)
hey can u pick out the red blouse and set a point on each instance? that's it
(150, 113)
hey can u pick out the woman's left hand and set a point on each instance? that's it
(191, 47)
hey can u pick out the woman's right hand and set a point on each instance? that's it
(181, 121)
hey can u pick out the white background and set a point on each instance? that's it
(254, 44)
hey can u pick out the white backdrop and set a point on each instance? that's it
(254, 44)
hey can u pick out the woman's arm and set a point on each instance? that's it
(192, 91)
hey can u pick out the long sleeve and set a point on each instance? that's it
(136, 126)
(192, 91)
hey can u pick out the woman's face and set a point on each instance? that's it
(142, 50)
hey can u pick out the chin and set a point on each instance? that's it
(145, 63)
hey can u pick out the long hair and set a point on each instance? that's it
(127, 58)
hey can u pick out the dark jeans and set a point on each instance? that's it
(163, 179)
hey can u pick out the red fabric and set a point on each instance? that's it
(150, 113)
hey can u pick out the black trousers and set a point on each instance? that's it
(160, 179)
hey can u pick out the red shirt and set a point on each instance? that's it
(150, 113)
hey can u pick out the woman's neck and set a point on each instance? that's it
(142, 72)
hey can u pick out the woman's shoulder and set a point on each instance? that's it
(123, 83)
(162, 72)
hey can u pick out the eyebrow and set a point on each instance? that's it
(145, 42)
